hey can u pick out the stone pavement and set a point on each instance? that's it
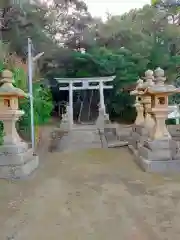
(81, 137)
(90, 195)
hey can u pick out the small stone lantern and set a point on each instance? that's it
(16, 159)
(64, 125)
(138, 103)
(149, 122)
(9, 109)
(138, 131)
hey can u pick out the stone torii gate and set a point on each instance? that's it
(84, 84)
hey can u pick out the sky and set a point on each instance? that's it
(99, 8)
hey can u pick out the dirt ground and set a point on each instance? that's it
(90, 195)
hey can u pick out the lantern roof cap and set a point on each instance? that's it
(7, 88)
(159, 87)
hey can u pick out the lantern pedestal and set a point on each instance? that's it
(159, 156)
(159, 153)
(16, 159)
(17, 165)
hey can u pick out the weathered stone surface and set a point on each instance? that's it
(155, 155)
(140, 130)
(15, 159)
(160, 144)
(160, 166)
(12, 171)
(124, 132)
(138, 135)
(158, 156)
(64, 126)
(13, 149)
(134, 140)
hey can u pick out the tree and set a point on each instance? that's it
(147, 32)
(54, 24)
(125, 46)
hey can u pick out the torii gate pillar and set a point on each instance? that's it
(71, 122)
(101, 92)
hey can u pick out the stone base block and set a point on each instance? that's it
(158, 156)
(18, 165)
(155, 155)
(13, 149)
(159, 166)
(151, 166)
(161, 144)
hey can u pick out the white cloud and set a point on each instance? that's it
(115, 7)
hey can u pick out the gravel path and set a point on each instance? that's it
(90, 195)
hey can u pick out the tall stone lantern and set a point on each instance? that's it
(16, 160)
(9, 109)
(160, 109)
(159, 152)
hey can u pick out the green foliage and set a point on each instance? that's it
(20, 78)
(42, 107)
(171, 121)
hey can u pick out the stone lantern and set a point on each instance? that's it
(138, 103)
(149, 81)
(65, 125)
(139, 122)
(160, 109)
(16, 160)
(143, 123)
(159, 152)
(9, 109)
